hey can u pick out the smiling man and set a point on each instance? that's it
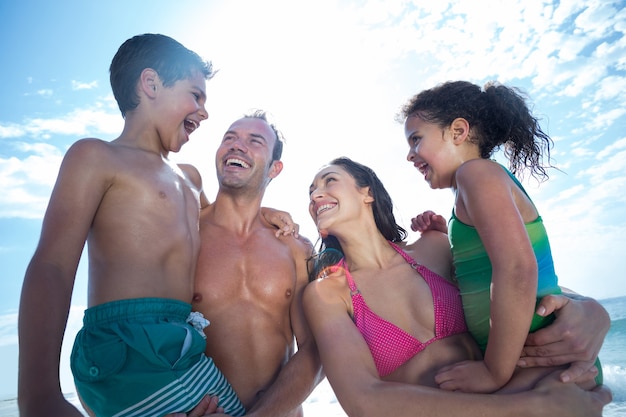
(249, 283)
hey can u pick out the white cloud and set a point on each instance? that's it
(11, 130)
(26, 183)
(47, 92)
(610, 88)
(78, 85)
(8, 328)
(611, 148)
(79, 122)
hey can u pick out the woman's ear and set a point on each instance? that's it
(460, 130)
(368, 197)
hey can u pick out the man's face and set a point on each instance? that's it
(244, 158)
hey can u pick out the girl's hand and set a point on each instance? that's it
(429, 220)
(467, 376)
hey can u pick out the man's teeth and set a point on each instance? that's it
(237, 162)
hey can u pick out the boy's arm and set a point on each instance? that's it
(194, 176)
(49, 280)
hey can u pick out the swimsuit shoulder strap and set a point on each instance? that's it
(351, 283)
(405, 255)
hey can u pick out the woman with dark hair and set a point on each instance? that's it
(387, 315)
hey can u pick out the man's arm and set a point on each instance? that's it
(575, 337)
(302, 373)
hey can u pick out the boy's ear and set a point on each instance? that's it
(460, 130)
(149, 81)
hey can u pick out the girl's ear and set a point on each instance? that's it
(460, 130)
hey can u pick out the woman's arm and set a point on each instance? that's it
(352, 374)
(281, 220)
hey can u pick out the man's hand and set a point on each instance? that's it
(575, 337)
(579, 403)
(207, 406)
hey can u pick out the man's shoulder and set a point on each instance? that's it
(300, 243)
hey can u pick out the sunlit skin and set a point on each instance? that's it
(341, 208)
(243, 159)
(249, 283)
(447, 158)
(188, 98)
(152, 215)
(132, 205)
(434, 152)
(394, 291)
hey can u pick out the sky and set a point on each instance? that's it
(333, 74)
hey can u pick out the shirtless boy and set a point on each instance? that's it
(139, 214)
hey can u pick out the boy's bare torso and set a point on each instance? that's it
(144, 238)
(246, 286)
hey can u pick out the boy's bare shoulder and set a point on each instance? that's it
(88, 145)
(192, 173)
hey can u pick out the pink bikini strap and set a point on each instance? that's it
(351, 284)
(405, 255)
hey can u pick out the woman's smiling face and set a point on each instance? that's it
(333, 194)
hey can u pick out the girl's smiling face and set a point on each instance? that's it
(431, 151)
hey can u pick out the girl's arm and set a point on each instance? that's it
(485, 199)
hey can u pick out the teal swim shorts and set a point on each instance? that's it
(141, 357)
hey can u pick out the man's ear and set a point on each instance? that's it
(275, 169)
(149, 82)
(460, 130)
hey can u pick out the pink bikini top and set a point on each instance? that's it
(390, 345)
